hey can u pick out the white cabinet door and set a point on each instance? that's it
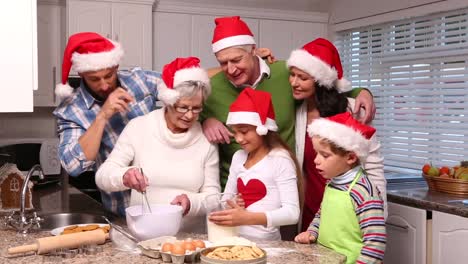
(406, 235)
(449, 238)
(89, 16)
(171, 38)
(126, 23)
(284, 36)
(18, 55)
(132, 27)
(49, 40)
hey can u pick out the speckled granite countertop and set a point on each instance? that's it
(277, 252)
(55, 199)
(423, 198)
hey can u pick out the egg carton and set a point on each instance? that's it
(153, 248)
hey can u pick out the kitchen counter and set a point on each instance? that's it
(55, 199)
(423, 198)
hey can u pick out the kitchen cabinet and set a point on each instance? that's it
(50, 39)
(18, 53)
(126, 22)
(449, 238)
(406, 235)
(186, 29)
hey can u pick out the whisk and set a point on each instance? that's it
(144, 199)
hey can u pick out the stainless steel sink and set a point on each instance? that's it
(52, 221)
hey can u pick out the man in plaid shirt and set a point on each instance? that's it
(91, 117)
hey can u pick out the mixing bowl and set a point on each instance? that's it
(164, 220)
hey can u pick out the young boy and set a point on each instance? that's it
(351, 218)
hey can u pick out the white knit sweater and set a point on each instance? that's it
(174, 164)
(374, 162)
(280, 204)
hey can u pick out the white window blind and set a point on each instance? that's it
(417, 70)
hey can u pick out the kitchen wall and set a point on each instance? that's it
(38, 124)
(298, 5)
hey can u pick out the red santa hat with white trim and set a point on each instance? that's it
(321, 60)
(87, 51)
(229, 32)
(178, 71)
(344, 131)
(255, 108)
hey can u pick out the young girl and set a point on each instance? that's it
(264, 172)
(351, 217)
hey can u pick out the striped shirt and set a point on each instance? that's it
(76, 114)
(370, 213)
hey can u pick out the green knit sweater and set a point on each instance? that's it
(224, 94)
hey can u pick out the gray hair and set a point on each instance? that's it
(246, 47)
(191, 88)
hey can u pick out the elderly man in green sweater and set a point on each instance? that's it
(234, 47)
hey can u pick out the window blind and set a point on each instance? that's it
(417, 70)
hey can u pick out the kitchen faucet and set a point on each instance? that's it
(22, 224)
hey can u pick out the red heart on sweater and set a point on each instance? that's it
(254, 191)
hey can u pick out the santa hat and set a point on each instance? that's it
(344, 131)
(253, 107)
(178, 71)
(229, 32)
(86, 51)
(321, 60)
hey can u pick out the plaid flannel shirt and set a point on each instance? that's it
(76, 114)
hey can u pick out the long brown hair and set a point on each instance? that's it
(273, 140)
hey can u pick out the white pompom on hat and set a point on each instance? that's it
(344, 131)
(321, 60)
(86, 51)
(176, 72)
(229, 32)
(255, 108)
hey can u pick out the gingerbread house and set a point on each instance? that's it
(11, 181)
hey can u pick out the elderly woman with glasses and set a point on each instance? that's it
(165, 153)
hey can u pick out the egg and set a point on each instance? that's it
(199, 243)
(178, 250)
(188, 245)
(167, 247)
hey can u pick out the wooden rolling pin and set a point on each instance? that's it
(47, 244)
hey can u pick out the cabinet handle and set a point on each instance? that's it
(54, 81)
(108, 36)
(397, 226)
(116, 37)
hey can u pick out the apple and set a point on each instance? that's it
(444, 170)
(426, 168)
(433, 171)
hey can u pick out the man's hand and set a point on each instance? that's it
(305, 238)
(183, 201)
(133, 179)
(216, 132)
(365, 100)
(116, 102)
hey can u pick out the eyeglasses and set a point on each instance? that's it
(184, 109)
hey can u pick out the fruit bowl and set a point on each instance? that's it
(447, 185)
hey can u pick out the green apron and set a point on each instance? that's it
(339, 227)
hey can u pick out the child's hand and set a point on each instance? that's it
(240, 201)
(230, 217)
(305, 238)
